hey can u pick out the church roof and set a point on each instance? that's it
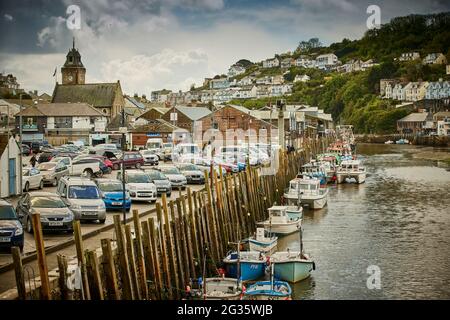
(61, 109)
(95, 94)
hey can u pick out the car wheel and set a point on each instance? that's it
(27, 187)
(21, 249)
(109, 170)
(137, 165)
(153, 201)
(169, 194)
(102, 221)
(55, 182)
(116, 166)
(41, 185)
(29, 226)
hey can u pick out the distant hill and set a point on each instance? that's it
(353, 98)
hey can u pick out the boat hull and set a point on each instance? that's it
(249, 270)
(263, 246)
(218, 289)
(315, 203)
(282, 228)
(263, 291)
(293, 271)
(359, 177)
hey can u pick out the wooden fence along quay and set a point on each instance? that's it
(157, 257)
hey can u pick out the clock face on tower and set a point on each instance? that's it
(70, 77)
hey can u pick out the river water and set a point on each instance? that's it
(398, 221)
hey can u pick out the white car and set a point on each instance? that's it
(32, 179)
(176, 178)
(139, 185)
(149, 157)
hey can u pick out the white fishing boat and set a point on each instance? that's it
(263, 242)
(268, 290)
(314, 169)
(279, 221)
(295, 212)
(351, 169)
(310, 192)
(222, 289)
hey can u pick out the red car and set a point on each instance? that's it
(105, 160)
(131, 159)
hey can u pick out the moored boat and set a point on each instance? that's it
(351, 169)
(268, 290)
(262, 243)
(221, 289)
(252, 265)
(310, 191)
(279, 221)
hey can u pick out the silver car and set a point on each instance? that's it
(161, 182)
(53, 171)
(192, 173)
(176, 178)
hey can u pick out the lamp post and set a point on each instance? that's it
(123, 129)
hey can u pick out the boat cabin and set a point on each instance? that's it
(278, 213)
(351, 165)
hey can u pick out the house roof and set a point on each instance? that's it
(159, 125)
(194, 113)
(442, 114)
(135, 103)
(160, 110)
(415, 117)
(61, 109)
(95, 94)
(3, 143)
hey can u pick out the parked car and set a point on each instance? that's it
(227, 164)
(155, 145)
(161, 182)
(35, 146)
(55, 215)
(167, 151)
(176, 178)
(83, 197)
(26, 151)
(139, 185)
(112, 194)
(131, 159)
(101, 148)
(52, 172)
(32, 179)
(149, 157)
(192, 173)
(88, 167)
(46, 156)
(11, 231)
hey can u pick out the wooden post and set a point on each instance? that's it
(164, 237)
(127, 292)
(80, 256)
(42, 261)
(109, 271)
(93, 272)
(132, 263)
(188, 237)
(140, 256)
(62, 281)
(154, 243)
(183, 244)
(18, 270)
(194, 235)
(148, 257)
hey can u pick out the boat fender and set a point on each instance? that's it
(268, 261)
(314, 265)
(221, 272)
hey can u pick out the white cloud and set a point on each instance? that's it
(8, 17)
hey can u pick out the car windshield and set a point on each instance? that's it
(167, 145)
(156, 175)
(7, 213)
(153, 145)
(147, 152)
(170, 170)
(47, 202)
(138, 178)
(83, 192)
(189, 167)
(26, 173)
(110, 186)
(46, 166)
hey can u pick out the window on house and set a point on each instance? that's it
(63, 122)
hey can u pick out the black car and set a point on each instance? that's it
(35, 146)
(11, 232)
(47, 156)
(26, 150)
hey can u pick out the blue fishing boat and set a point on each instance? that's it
(268, 290)
(292, 266)
(252, 265)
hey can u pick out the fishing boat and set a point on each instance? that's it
(268, 290)
(389, 142)
(262, 243)
(351, 169)
(252, 265)
(295, 212)
(219, 289)
(314, 169)
(310, 191)
(292, 266)
(331, 161)
(279, 221)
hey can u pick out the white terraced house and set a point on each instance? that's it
(438, 90)
(271, 63)
(408, 56)
(305, 62)
(435, 58)
(279, 90)
(245, 81)
(220, 83)
(398, 92)
(235, 70)
(326, 61)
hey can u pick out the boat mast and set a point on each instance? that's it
(301, 242)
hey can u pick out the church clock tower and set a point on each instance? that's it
(73, 71)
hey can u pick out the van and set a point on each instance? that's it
(83, 197)
(155, 145)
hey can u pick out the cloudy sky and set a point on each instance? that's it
(155, 44)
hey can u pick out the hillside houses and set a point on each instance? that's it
(414, 91)
(302, 78)
(326, 61)
(235, 70)
(409, 56)
(434, 58)
(271, 63)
